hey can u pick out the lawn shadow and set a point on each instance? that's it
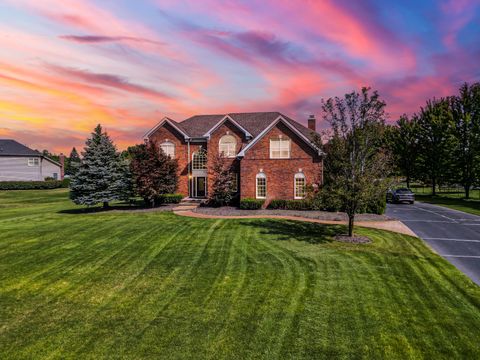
(312, 233)
(135, 205)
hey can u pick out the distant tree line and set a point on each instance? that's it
(440, 144)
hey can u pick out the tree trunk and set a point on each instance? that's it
(467, 191)
(408, 182)
(434, 186)
(105, 205)
(350, 224)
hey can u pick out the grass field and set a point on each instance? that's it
(471, 206)
(154, 285)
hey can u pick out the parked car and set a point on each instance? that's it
(400, 195)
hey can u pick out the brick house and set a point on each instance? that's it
(273, 156)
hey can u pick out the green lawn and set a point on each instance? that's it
(154, 285)
(471, 206)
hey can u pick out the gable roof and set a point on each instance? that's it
(307, 137)
(173, 123)
(254, 123)
(10, 147)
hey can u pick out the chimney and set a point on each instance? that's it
(61, 157)
(312, 122)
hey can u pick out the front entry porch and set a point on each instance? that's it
(198, 187)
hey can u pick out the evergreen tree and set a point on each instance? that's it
(435, 142)
(72, 163)
(466, 130)
(154, 172)
(223, 184)
(102, 177)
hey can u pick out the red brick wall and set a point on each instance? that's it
(213, 148)
(168, 133)
(280, 172)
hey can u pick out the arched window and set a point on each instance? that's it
(227, 146)
(168, 148)
(300, 185)
(199, 160)
(261, 188)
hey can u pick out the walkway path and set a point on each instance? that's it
(390, 225)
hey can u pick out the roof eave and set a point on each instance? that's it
(160, 124)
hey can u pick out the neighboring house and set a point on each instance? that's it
(20, 163)
(273, 156)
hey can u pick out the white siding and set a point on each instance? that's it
(14, 168)
(49, 169)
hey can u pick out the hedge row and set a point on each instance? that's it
(170, 198)
(34, 185)
(323, 202)
(251, 204)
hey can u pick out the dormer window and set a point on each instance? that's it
(168, 148)
(279, 148)
(227, 146)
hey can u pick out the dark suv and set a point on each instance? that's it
(400, 195)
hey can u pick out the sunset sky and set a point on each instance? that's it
(67, 65)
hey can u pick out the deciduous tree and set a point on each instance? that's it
(357, 164)
(436, 142)
(402, 141)
(154, 172)
(223, 186)
(466, 130)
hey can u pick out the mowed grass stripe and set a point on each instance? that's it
(154, 285)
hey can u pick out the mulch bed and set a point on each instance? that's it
(311, 214)
(353, 239)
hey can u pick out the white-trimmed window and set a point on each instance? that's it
(300, 186)
(261, 186)
(199, 160)
(33, 161)
(168, 148)
(279, 148)
(227, 146)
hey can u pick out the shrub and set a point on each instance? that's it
(251, 204)
(377, 206)
(32, 185)
(170, 198)
(291, 204)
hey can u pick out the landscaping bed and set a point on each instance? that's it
(311, 214)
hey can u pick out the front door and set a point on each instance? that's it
(201, 186)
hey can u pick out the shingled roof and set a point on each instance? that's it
(10, 147)
(254, 123)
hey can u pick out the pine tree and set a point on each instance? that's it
(223, 183)
(102, 177)
(72, 163)
(154, 172)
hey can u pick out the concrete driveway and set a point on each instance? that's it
(455, 235)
